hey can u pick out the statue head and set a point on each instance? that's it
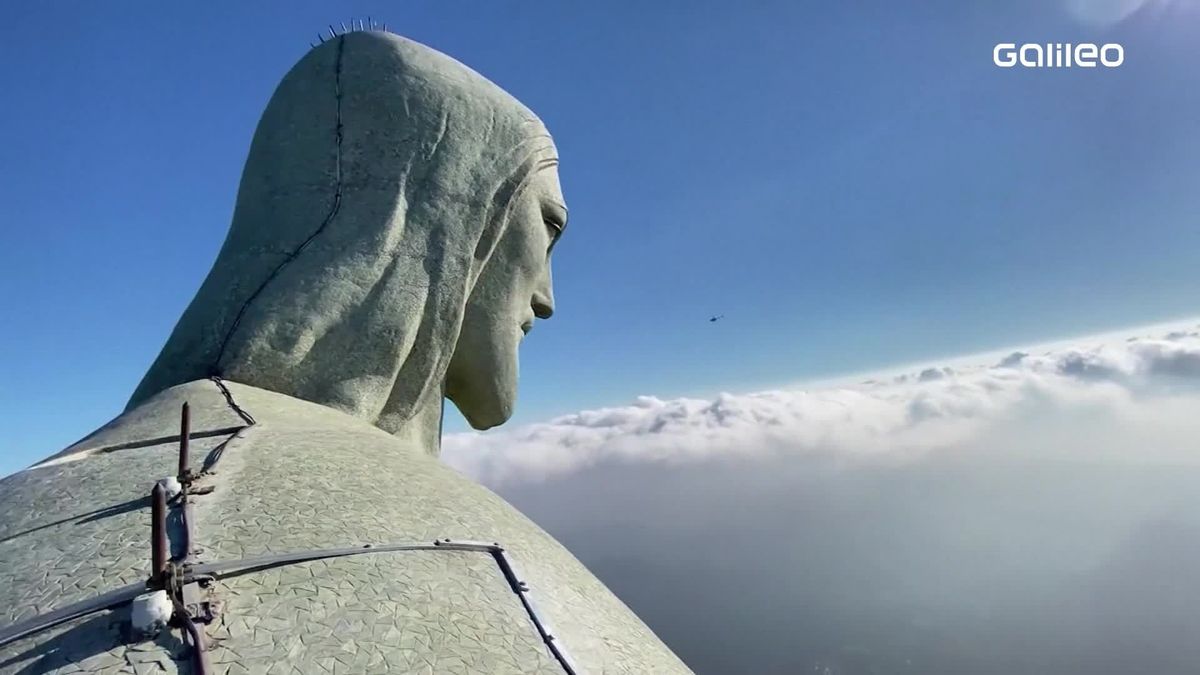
(390, 243)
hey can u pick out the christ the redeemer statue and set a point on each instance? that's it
(390, 248)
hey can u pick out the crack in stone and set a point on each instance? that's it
(333, 210)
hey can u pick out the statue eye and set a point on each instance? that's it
(554, 216)
(555, 229)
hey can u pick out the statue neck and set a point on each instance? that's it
(424, 430)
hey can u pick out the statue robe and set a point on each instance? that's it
(302, 477)
(377, 186)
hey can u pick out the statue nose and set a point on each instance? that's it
(543, 295)
(543, 305)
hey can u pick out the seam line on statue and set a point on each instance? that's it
(141, 443)
(333, 210)
(210, 460)
(246, 417)
(215, 455)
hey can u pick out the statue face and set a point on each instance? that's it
(513, 289)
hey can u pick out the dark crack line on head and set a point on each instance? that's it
(215, 368)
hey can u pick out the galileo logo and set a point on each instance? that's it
(1058, 55)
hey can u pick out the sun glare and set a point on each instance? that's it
(1107, 13)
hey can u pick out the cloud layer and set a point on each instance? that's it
(1032, 511)
(890, 416)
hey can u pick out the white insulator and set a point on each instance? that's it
(150, 613)
(172, 486)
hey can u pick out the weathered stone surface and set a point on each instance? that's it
(390, 248)
(73, 529)
(383, 178)
(99, 643)
(308, 477)
(451, 611)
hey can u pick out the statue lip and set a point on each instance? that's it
(527, 326)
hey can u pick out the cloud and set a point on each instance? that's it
(1033, 510)
(928, 409)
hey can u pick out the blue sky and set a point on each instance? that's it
(853, 185)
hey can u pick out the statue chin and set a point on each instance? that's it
(483, 409)
(481, 378)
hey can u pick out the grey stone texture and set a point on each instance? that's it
(303, 477)
(390, 248)
(381, 178)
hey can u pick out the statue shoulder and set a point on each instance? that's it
(277, 475)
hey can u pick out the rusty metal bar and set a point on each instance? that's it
(159, 550)
(229, 568)
(185, 435)
(188, 516)
(200, 662)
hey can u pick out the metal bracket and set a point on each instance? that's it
(188, 587)
(197, 603)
